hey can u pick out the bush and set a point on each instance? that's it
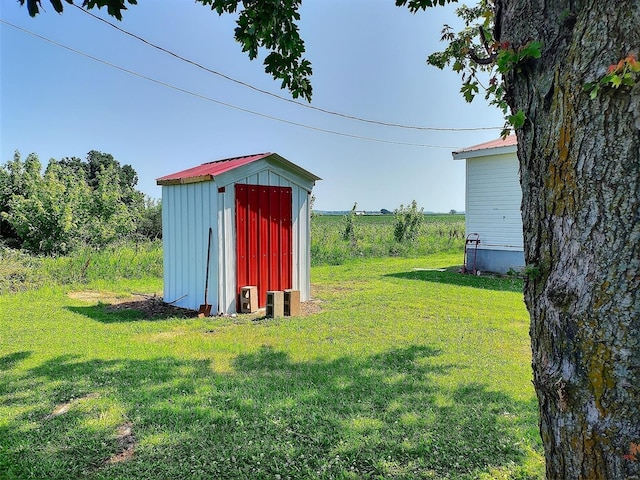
(73, 204)
(150, 224)
(407, 223)
(349, 226)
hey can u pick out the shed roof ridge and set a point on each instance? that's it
(208, 171)
(259, 155)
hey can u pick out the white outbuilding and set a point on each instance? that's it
(492, 204)
(256, 209)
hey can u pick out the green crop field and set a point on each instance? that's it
(400, 368)
(373, 237)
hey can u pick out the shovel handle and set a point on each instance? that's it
(206, 281)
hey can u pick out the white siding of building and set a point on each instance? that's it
(187, 213)
(493, 198)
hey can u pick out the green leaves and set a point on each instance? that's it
(624, 73)
(416, 5)
(469, 90)
(509, 59)
(57, 5)
(270, 24)
(474, 51)
(349, 226)
(114, 7)
(517, 119)
(407, 222)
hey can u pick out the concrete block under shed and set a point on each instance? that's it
(275, 303)
(291, 303)
(249, 299)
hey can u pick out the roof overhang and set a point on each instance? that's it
(494, 147)
(292, 166)
(184, 181)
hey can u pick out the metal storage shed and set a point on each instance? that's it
(492, 203)
(258, 208)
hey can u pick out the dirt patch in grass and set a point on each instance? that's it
(150, 306)
(310, 307)
(96, 296)
(126, 444)
(153, 307)
(64, 407)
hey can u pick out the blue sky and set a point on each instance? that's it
(368, 57)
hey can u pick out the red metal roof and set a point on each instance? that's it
(497, 143)
(207, 171)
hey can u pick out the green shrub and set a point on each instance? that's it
(74, 203)
(349, 226)
(116, 261)
(407, 223)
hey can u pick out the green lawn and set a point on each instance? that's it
(405, 372)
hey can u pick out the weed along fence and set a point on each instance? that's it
(258, 209)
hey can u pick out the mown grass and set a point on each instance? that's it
(374, 238)
(407, 371)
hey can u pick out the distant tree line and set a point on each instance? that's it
(73, 203)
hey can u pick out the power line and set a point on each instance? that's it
(203, 97)
(280, 97)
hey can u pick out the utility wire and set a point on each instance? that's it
(280, 97)
(203, 97)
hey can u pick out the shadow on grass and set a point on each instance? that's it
(452, 276)
(148, 309)
(378, 417)
(9, 361)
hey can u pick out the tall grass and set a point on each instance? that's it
(117, 261)
(19, 271)
(374, 238)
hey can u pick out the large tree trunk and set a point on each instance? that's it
(580, 175)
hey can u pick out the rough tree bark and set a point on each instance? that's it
(580, 175)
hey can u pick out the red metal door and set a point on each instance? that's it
(263, 238)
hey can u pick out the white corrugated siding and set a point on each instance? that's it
(493, 197)
(187, 213)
